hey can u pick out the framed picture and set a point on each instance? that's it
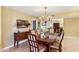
(22, 23)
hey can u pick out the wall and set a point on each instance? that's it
(9, 24)
(0, 25)
(69, 14)
(71, 26)
(71, 22)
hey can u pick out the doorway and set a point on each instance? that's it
(34, 24)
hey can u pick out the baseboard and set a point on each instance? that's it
(71, 37)
(13, 45)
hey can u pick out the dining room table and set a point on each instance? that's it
(46, 41)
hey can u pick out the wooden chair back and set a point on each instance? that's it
(33, 32)
(51, 31)
(33, 43)
(38, 31)
(61, 39)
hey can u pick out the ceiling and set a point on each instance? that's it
(40, 11)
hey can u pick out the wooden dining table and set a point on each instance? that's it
(46, 41)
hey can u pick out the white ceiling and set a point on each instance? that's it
(39, 10)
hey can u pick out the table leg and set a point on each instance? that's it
(47, 48)
(17, 44)
(14, 43)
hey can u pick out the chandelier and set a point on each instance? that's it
(45, 17)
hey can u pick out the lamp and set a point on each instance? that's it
(45, 17)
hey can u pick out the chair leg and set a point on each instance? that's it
(60, 48)
(14, 43)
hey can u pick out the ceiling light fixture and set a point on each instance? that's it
(45, 17)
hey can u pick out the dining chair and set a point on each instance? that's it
(38, 32)
(60, 31)
(58, 43)
(33, 44)
(51, 31)
(33, 32)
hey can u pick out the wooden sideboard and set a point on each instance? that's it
(19, 36)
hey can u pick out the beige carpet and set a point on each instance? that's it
(22, 48)
(69, 45)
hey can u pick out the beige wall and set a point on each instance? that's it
(69, 14)
(71, 22)
(0, 25)
(9, 24)
(71, 26)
